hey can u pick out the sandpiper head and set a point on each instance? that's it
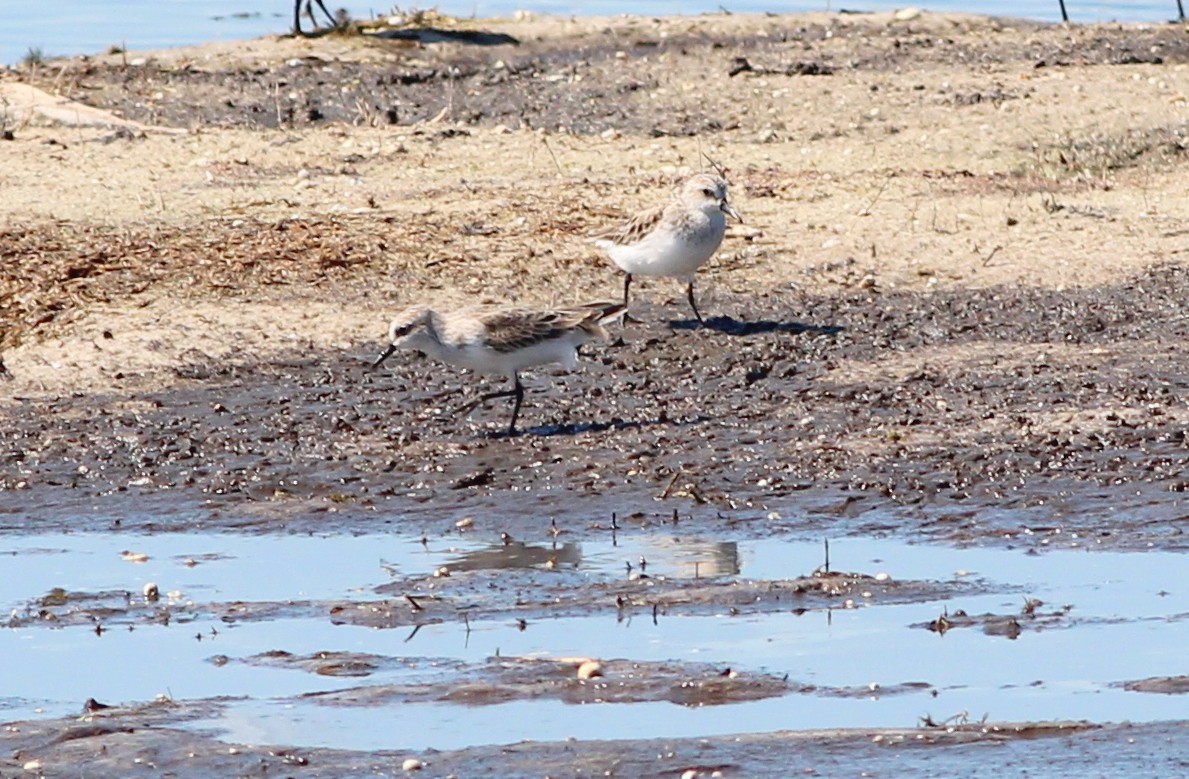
(405, 330)
(708, 192)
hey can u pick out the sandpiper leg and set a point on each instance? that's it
(329, 16)
(517, 392)
(689, 293)
(309, 10)
(627, 282)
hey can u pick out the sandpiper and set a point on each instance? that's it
(674, 239)
(500, 340)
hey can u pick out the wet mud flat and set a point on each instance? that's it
(143, 739)
(586, 80)
(231, 548)
(1025, 415)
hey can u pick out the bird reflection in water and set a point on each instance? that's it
(677, 558)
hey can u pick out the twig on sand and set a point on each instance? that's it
(549, 149)
(669, 486)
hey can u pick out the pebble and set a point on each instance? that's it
(412, 764)
(590, 669)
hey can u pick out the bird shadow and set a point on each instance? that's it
(578, 428)
(731, 326)
(442, 35)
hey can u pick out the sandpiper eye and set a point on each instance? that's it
(708, 192)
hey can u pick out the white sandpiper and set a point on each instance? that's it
(674, 239)
(500, 340)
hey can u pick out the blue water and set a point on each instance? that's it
(67, 27)
(1116, 600)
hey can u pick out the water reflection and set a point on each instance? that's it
(1120, 599)
(673, 557)
(516, 554)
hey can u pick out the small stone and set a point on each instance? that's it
(412, 764)
(466, 523)
(907, 14)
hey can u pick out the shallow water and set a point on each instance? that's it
(67, 27)
(1118, 599)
